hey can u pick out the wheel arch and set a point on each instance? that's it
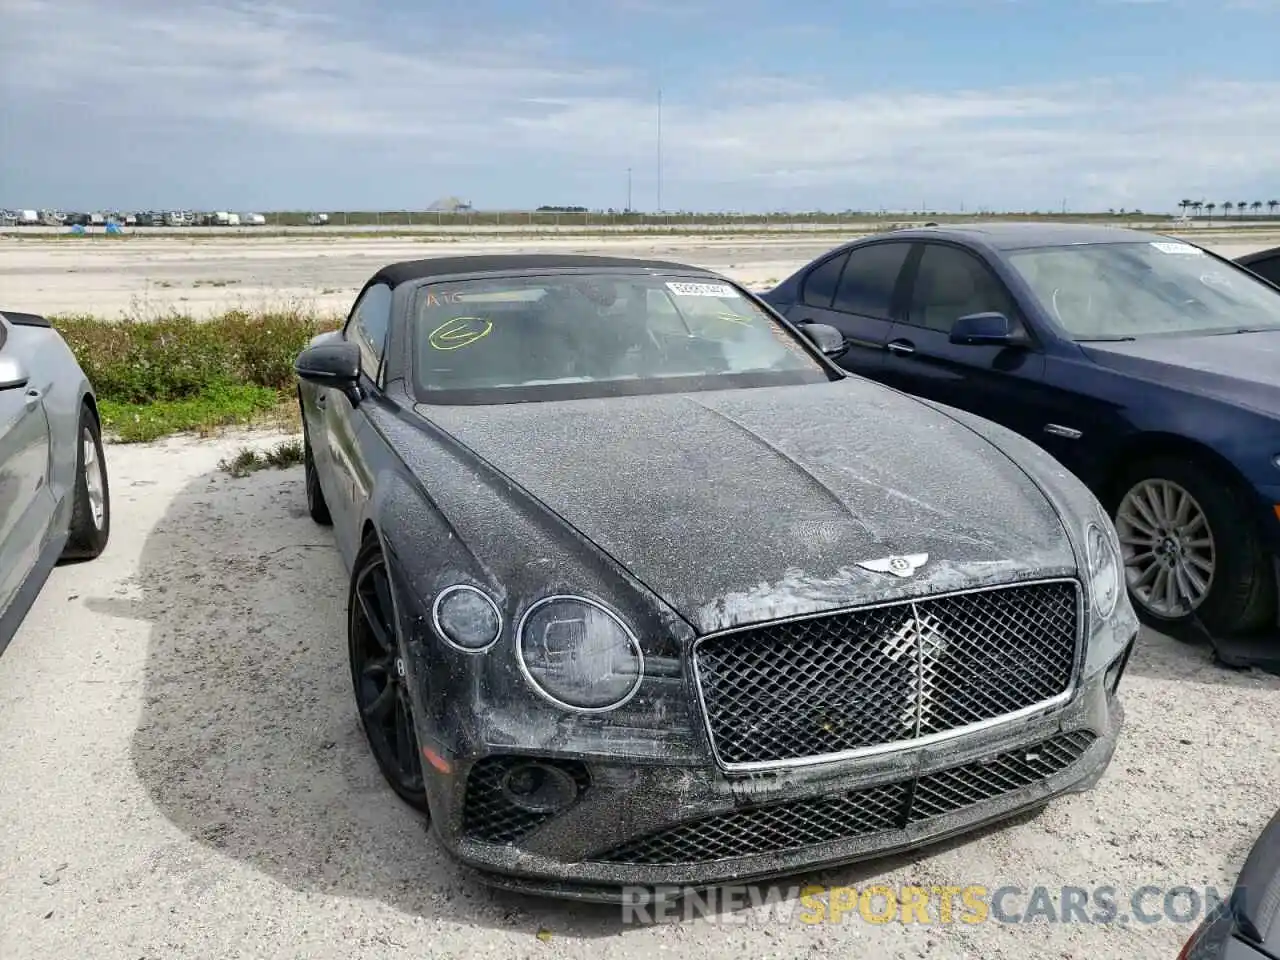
(90, 401)
(1148, 446)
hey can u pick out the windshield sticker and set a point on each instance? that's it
(459, 332)
(1220, 280)
(445, 296)
(681, 289)
(1183, 249)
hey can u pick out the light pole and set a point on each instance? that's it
(659, 150)
(628, 210)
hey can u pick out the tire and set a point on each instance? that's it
(316, 505)
(376, 668)
(90, 526)
(1240, 581)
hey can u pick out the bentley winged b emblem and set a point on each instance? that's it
(896, 566)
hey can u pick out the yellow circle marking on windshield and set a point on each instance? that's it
(459, 332)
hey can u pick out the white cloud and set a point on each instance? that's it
(770, 139)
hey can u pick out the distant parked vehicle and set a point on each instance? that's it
(1144, 364)
(253, 220)
(27, 218)
(53, 478)
(1265, 263)
(318, 219)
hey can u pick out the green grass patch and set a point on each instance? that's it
(287, 453)
(176, 373)
(218, 407)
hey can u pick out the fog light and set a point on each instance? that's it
(539, 787)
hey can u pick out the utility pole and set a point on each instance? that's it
(628, 210)
(659, 150)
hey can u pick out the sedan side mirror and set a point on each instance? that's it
(335, 365)
(826, 338)
(13, 374)
(987, 329)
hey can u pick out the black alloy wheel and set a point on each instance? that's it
(378, 676)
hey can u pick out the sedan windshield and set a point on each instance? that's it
(572, 335)
(1110, 291)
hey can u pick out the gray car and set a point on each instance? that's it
(645, 591)
(54, 502)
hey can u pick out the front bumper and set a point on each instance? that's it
(657, 825)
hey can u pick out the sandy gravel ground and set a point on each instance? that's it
(151, 275)
(182, 775)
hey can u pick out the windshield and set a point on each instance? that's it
(1127, 290)
(574, 335)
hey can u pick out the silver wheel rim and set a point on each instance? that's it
(93, 479)
(1168, 548)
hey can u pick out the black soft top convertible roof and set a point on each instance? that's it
(406, 271)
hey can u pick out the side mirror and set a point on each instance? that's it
(335, 365)
(826, 338)
(987, 329)
(13, 374)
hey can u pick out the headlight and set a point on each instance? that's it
(578, 654)
(1106, 580)
(466, 618)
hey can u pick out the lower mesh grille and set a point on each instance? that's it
(794, 824)
(950, 790)
(489, 816)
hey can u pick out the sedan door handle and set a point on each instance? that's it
(32, 398)
(901, 347)
(319, 399)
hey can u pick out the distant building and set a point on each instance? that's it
(450, 205)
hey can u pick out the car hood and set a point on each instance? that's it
(1241, 368)
(739, 506)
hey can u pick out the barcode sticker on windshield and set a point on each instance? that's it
(700, 289)
(1185, 249)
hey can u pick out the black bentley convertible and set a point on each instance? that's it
(645, 590)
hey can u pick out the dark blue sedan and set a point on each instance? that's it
(1148, 366)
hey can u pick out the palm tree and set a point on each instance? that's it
(1226, 208)
(1197, 206)
(1184, 204)
(1242, 206)
(1255, 206)
(1271, 206)
(1210, 207)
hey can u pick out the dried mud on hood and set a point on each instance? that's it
(738, 505)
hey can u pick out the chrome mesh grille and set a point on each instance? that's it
(838, 683)
(795, 824)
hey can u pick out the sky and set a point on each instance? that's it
(900, 105)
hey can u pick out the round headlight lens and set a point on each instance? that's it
(467, 618)
(1105, 578)
(579, 654)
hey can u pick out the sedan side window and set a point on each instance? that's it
(368, 327)
(869, 279)
(1267, 269)
(820, 284)
(950, 284)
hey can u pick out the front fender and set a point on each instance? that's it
(446, 519)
